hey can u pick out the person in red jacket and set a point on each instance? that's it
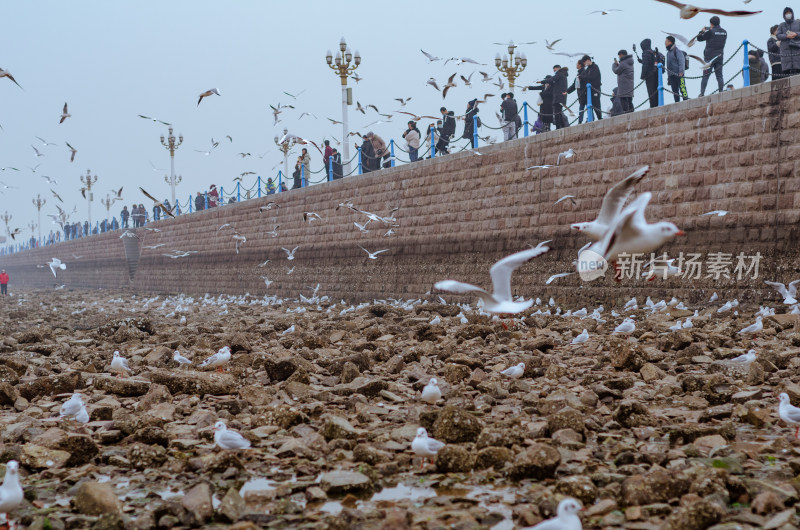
(3, 282)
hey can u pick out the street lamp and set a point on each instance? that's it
(39, 203)
(170, 145)
(32, 227)
(343, 69)
(511, 66)
(6, 219)
(285, 147)
(86, 191)
(107, 202)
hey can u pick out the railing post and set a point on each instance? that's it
(746, 64)
(660, 84)
(206, 201)
(330, 169)
(433, 143)
(391, 151)
(258, 181)
(475, 131)
(359, 162)
(589, 110)
(221, 196)
(525, 118)
(190, 204)
(302, 175)
(280, 180)
(238, 191)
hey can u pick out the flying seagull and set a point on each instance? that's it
(688, 11)
(156, 202)
(154, 120)
(64, 114)
(206, 94)
(6, 73)
(73, 152)
(430, 57)
(373, 255)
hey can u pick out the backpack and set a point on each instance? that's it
(479, 121)
(660, 57)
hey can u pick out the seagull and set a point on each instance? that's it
(677, 326)
(334, 122)
(154, 120)
(564, 198)
(357, 78)
(432, 82)
(626, 327)
(569, 153)
(718, 213)
(218, 359)
(362, 228)
(288, 330)
(704, 65)
(788, 412)
(290, 253)
(605, 11)
(789, 295)
(665, 269)
(753, 328)
(544, 166)
(549, 45)
(38, 154)
(267, 281)
(450, 84)
(373, 255)
(6, 73)
(688, 324)
(431, 393)
(557, 276)
(403, 101)
(73, 152)
(688, 11)
(206, 94)
(714, 297)
(154, 246)
(180, 359)
(578, 54)
(311, 216)
(119, 364)
(71, 407)
(514, 372)
(566, 517)
(501, 300)
(14, 233)
(424, 446)
(274, 232)
(359, 108)
(226, 439)
(430, 57)
(748, 357)
(580, 339)
(54, 264)
(64, 114)
(157, 203)
(687, 42)
(11, 494)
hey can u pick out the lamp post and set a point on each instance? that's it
(171, 145)
(173, 180)
(6, 219)
(32, 227)
(107, 202)
(341, 66)
(285, 147)
(39, 203)
(86, 191)
(511, 66)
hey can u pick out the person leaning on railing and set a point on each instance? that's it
(789, 37)
(412, 137)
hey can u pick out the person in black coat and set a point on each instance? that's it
(447, 131)
(369, 160)
(336, 164)
(714, 37)
(581, 88)
(591, 75)
(649, 72)
(560, 95)
(546, 108)
(469, 122)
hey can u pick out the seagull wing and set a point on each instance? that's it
(615, 198)
(793, 413)
(214, 358)
(729, 13)
(672, 3)
(501, 271)
(781, 288)
(234, 440)
(678, 36)
(793, 288)
(628, 223)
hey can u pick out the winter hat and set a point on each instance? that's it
(472, 102)
(622, 52)
(788, 10)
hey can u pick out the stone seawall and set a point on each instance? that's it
(735, 151)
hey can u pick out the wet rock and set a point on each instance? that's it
(631, 413)
(454, 459)
(198, 505)
(232, 506)
(579, 487)
(81, 448)
(566, 418)
(362, 385)
(505, 436)
(39, 457)
(537, 461)
(698, 515)
(152, 435)
(337, 427)
(455, 425)
(495, 457)
(342, 482)
(657, 486)
(781, 520)
(93, 498)
(349, 372)
(315, 494)
(199, 383)
(369, 455)
(125, 387)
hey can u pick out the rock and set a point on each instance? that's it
(238, 342)
(315, 494)
(631, 413)
(197, 383)
(698, 515)
(39, 457)
(35, 334)
(657, 486)
(124, 387)
(566, 437)
(337, 427)
(8, 395)
(143, 456)
(198, 505)
(495, 457)
(93, 498)
(232, 506)
(566, 418)
(537, 461)
(342, 482)
(767, 502)
(155, 394)
(349, 373)
(781, 519)
(51, 385)
(579, 487)
(455, 373)
(651, 372)
(369, 455)
(81, 448)
(8, 375)
(454, 459)
(706, 444)
(626, 355)
(455, 425)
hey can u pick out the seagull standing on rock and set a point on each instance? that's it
(431, 393)
(748, 357)
(580, 339)
(424, 446)
(753, 328)
(566, 517)
(218, 360)
(71, 407)
(514, 372)
(180, 359)
(11, 493)
(628, 326)
(227, 439)
(119, 364)
(789, 413)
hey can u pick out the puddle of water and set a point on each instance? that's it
(331, 507)
(257, 484)
(403, 492)
(169, 494)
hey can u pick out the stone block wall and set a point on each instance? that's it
(735, 151)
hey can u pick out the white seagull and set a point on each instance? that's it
(431, 392)
(748, 357)
(83, 415)
(500, 301)
(11, 493)
(290, 253)
(424, 446)
(206, 94)
(218, 359)
(753, 328)
(64, 114)
(180, 359)
(626, 327)
(71, 407)
(514, 372)
(373, 255)
(788, 412)
(613, 203)
(580, 339)
(119, 364)
(566, 517)
(789, 293)
(227, 439)
(54, 264)
(688, 11)
(569, 153)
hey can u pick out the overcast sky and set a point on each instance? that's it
(113, 60)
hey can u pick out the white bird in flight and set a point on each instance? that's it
(373, 255)
(500, 301)
(56, 263)
(688, 11)
(206, 94)
(566, 155)
(789, 294)
(613, 202)
(290, 253)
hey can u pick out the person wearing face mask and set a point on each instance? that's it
(774, 48)
(714, 37)
(789, 37)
